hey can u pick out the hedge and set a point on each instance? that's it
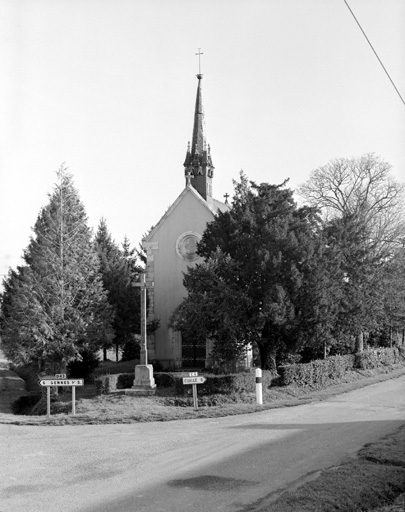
(244, 382)
(321, 372)
(376, 358)
(108, 383)
(215, 384)
(112, 382)
(315, 373)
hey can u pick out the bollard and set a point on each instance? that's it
(259, 393)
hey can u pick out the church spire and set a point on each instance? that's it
(198, 141)
(198, 164)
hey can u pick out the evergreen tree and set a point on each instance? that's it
(259, 283)
(364, 205)
(394, 299)
(54, 307)
(120, 271)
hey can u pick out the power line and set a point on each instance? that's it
(375, 53)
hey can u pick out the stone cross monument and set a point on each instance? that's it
(144, 383)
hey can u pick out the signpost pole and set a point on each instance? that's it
(195, 396)
(48, 401)
(60, 380)
(73, 400)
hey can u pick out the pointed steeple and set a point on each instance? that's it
(198, 141)
(198, 162)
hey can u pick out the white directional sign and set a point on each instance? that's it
(194, 380)
(61, 382)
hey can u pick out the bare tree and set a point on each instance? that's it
(361, 188)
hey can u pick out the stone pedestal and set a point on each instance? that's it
(144, 383)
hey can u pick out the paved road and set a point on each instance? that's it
(208, 465)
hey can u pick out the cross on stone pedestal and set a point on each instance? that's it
(144, 336)
(144, 383)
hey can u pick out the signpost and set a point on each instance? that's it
(60, 380)
(194, 379)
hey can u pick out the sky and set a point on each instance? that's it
(108, 88)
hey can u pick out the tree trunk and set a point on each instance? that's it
(360, 342)
(117, 352)
(267, 357)
(104, 354)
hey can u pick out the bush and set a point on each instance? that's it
(376, 358)
(166, 379)
(30, 374)
(25, 404)
(244, 382)
(125, 380)
(82, 369)
(131, 349)
(108, 383)
(316, 373)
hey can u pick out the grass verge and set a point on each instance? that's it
(373, 481)
(164, 406)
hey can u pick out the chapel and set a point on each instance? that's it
(171, 248)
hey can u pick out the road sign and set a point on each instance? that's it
(61, 382)
(60, 375)
(193, 374)
(194, 380)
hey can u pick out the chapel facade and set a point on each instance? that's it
(171, 248)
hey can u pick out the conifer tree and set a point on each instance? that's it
(364, 205)
(120, 271)
(54, 307)
(258, 284)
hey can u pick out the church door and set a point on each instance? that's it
(193, 352)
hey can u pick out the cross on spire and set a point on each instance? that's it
(199, 62)
(226, 198)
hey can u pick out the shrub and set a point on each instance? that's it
(166, 379)
(29, 373)
(244, 382)
(82, 369)
(131, 348)
(125, 380)
(376, 358)
(316, 373)
(108, 383)
(25, 404)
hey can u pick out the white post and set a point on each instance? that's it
(259, 391)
